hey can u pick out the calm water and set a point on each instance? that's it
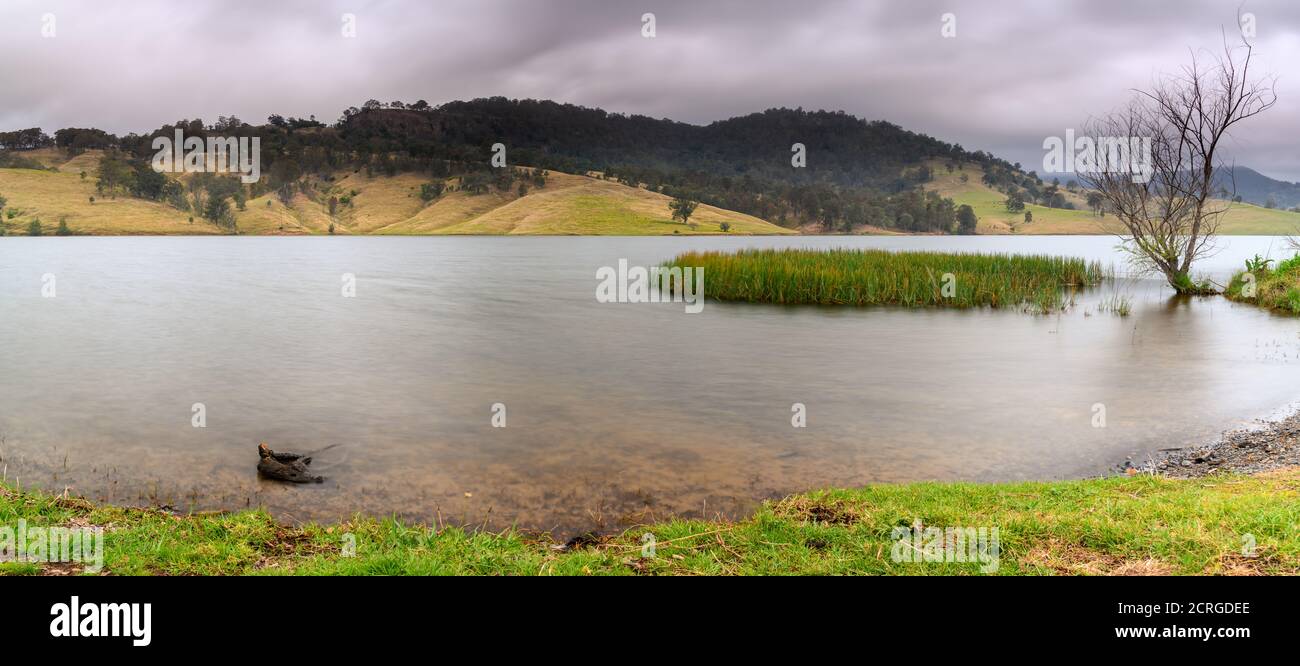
(615, 412)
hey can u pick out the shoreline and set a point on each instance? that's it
(1119, 525)
(1273, 444)
(1186, 512)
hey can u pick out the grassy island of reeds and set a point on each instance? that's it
(879, 277)
(1275, 287)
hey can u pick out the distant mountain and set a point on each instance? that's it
(841, 148)
(1254, 187)
(816, 170)
(854, 174)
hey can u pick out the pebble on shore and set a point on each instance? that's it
(1273, 446)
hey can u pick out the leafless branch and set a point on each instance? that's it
(1172, 217)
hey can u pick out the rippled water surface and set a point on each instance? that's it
(615, 413)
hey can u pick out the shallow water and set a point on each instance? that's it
(615, 412)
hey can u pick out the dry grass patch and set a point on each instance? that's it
(807, 509)
(1075, 560)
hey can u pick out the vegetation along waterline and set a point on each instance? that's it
(1138, 524)
(880, 277)
(1276, 287)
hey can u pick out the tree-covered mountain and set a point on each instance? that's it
(841, 148)
(855, 172)
(1254, 187)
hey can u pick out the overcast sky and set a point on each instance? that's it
(1016, 71)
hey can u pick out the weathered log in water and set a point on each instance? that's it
(291, 467)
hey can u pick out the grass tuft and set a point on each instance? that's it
(1277, 289)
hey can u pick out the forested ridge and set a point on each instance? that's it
(857, 172)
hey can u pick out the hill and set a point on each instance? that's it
(51, 196)
(1254, 187)
(852, 176)
(849, 173)
(1241, 219)
(568, 204)
(841, 148)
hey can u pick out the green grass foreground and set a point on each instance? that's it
(879, 277)
(1123, 525)
(1276, 288)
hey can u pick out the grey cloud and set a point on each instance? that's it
(1016, 72)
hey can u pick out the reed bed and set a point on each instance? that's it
(878, 277)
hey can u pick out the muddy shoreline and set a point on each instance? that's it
(1273, 445)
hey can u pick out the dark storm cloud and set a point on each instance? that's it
(1015, 73)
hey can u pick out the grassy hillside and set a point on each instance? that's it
(568, 204)
(571, 204)
(1242, 219)
(50, 196)
(55, 158)
(1250, 220)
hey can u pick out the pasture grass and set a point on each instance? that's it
(1241, 219)
(54, 190)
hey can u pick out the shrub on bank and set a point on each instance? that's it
(1275, 288)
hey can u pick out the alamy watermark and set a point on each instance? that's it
(656, 284)
(218, 154)
(947, 544)
(82, 545)
(1103, 154)
(103, 620)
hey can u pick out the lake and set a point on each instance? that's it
(615, 413)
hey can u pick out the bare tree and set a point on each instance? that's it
(1154, 162)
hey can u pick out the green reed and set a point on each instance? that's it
(879, 277)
